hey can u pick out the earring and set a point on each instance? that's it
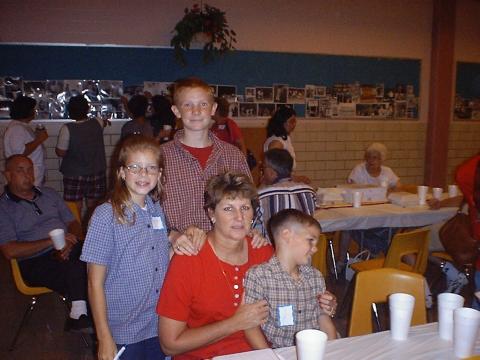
(213, 221)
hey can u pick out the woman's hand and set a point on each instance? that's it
(106, 349)
(251, 315)
(328, 303)
(257, 239)
(190, 242)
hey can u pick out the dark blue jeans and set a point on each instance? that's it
(144, 350)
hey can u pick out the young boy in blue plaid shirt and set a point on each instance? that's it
(289, 284)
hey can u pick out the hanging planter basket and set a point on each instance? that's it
(203, 27)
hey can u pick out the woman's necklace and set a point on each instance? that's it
(236, 289)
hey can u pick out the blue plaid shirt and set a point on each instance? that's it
(136, 257)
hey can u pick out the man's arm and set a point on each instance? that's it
(17, 249)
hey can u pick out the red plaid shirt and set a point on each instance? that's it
(186, 180)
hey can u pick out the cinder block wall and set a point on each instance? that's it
(326, 150)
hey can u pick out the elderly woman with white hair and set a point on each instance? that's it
(371, 171)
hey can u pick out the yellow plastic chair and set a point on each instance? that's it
(23, 288)
(374, 286)
(319, 259)
(74, 209)
(407, 243)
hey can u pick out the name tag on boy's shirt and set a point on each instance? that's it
(285, 315)
(157, 222)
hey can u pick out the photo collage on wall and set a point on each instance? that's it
(345, 101)
(466, 109)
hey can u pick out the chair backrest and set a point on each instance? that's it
(22, 286)
(412, 242)
(319, 259)
(374, 286)
(74, 209)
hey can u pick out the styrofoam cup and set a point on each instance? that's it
(422, 194)
(310, 344)
(58, 238)
(401, 311)
(447, 302)
(452, 190)
(466, 322)
(167, 127)
(437, 193)
(357, 199)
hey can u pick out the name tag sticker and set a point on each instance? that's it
(157, 222)
(285, 315)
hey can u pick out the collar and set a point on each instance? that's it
(216, 142)
(277, 268)
(17, 199)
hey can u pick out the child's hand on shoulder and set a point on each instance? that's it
(190, 242)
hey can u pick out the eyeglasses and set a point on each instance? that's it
(137, 169)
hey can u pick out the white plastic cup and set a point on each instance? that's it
(310, 344)
(437, 193)
(357, 199)
(401, 311)
(58, 238)
(169, 129)
(466, 322)
(452, 190)
(422, 194)
(447, 303)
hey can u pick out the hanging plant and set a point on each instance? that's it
(206, 24)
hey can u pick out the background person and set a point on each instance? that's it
(279, 191)
(162, 119)
(27, 215)
(21, 139)
(139, 125)
(81, 147)
(225, 128)
(279, 128)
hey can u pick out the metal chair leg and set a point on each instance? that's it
(26, 317)
(332, 254)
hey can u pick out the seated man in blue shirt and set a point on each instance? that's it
(27, 215)
(278, 191)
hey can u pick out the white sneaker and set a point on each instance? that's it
(456, 285)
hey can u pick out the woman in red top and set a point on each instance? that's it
(200, 306)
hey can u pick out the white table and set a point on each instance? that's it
(423, 343)
(380, 215)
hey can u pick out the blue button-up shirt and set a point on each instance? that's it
(136, 257)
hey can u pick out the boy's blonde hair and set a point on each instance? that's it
(120, 197)
(288, 218)
(191, 82)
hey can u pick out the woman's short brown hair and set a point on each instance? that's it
(230, 185)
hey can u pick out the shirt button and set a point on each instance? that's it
(235, 304)
(235, 278)
(236, 296)
(149, 226)
(235, 287)
(153, 247)
(156, 269)
(156, 291)
(236, 268)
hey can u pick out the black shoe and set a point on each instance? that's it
(82, 324)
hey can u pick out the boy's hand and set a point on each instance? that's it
(328, 303)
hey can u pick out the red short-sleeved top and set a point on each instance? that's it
(229, 132)
(465, 178)
(202, 289)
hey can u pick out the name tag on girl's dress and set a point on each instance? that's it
(285, 315)
(157, 222)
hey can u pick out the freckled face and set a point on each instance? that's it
(195, 106)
